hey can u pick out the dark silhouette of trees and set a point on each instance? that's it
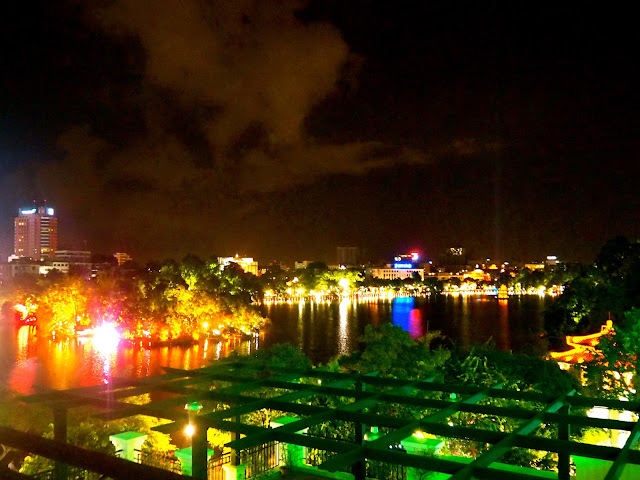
(611, 285)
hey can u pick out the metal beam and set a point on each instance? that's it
(113, 467)
(619, 463)
(504, 445)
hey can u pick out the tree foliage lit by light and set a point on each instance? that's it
(168, 302)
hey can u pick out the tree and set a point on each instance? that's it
(611, 285)
(63, 305)
(390, 351)
(617, 368)
(191, 271)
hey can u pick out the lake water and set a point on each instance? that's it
(321, 330)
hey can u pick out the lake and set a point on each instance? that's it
(321, 330)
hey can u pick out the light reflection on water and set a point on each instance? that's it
(321, 330)
(27, 361)
(343, 333)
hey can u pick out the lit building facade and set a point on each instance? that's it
(247, 263)
(534, 266)
(396, 273)
(36, 233)
(62, 267)
(122, 258)
(404, 266)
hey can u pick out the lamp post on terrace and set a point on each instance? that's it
(192, 409)
(194, 458)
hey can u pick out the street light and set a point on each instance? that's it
(192, 409)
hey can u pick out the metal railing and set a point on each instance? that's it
(166, 461)
(260, 458)
(385, 471)
(214, 466)
(73, 473)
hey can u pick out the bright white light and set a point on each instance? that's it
(106, 338)
(49, 211)
(189, 430)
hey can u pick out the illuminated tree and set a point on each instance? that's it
(335, 281)
(109, 297)
(189, 310)
(191, 270)
(611, 285)
(62, 306)
(615, 373)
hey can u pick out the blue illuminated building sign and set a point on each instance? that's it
(402, 265)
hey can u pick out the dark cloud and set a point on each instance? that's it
(206, 119)
(257, 69)
(285, 128)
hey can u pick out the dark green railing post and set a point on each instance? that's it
(199, 451)
(60, 435)
(359, 468)
(235, 454)
(564, 458)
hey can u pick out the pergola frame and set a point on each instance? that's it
(357, 393)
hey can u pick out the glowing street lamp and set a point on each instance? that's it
(192, 409)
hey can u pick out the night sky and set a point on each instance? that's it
(281, 130)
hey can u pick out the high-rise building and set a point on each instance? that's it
(36, 233)
(347, 256)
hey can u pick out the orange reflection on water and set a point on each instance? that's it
(25, 333)
(23, 376)
(62, 364)
(504, 339)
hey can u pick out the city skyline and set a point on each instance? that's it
(36, 238)
(266, 129)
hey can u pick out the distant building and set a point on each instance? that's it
(74, 256)
(348, 256)
(20, 267)
(300, 264)
(247, 263)
(534, 266)
(454, 259)
(122, 258)
(36, 233)
(403, 266)
(79, 260)
(62, 267)
(408, 260)
(389, 273)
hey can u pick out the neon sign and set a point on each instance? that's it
(28, 212)
(402, 265)
(49, 211)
